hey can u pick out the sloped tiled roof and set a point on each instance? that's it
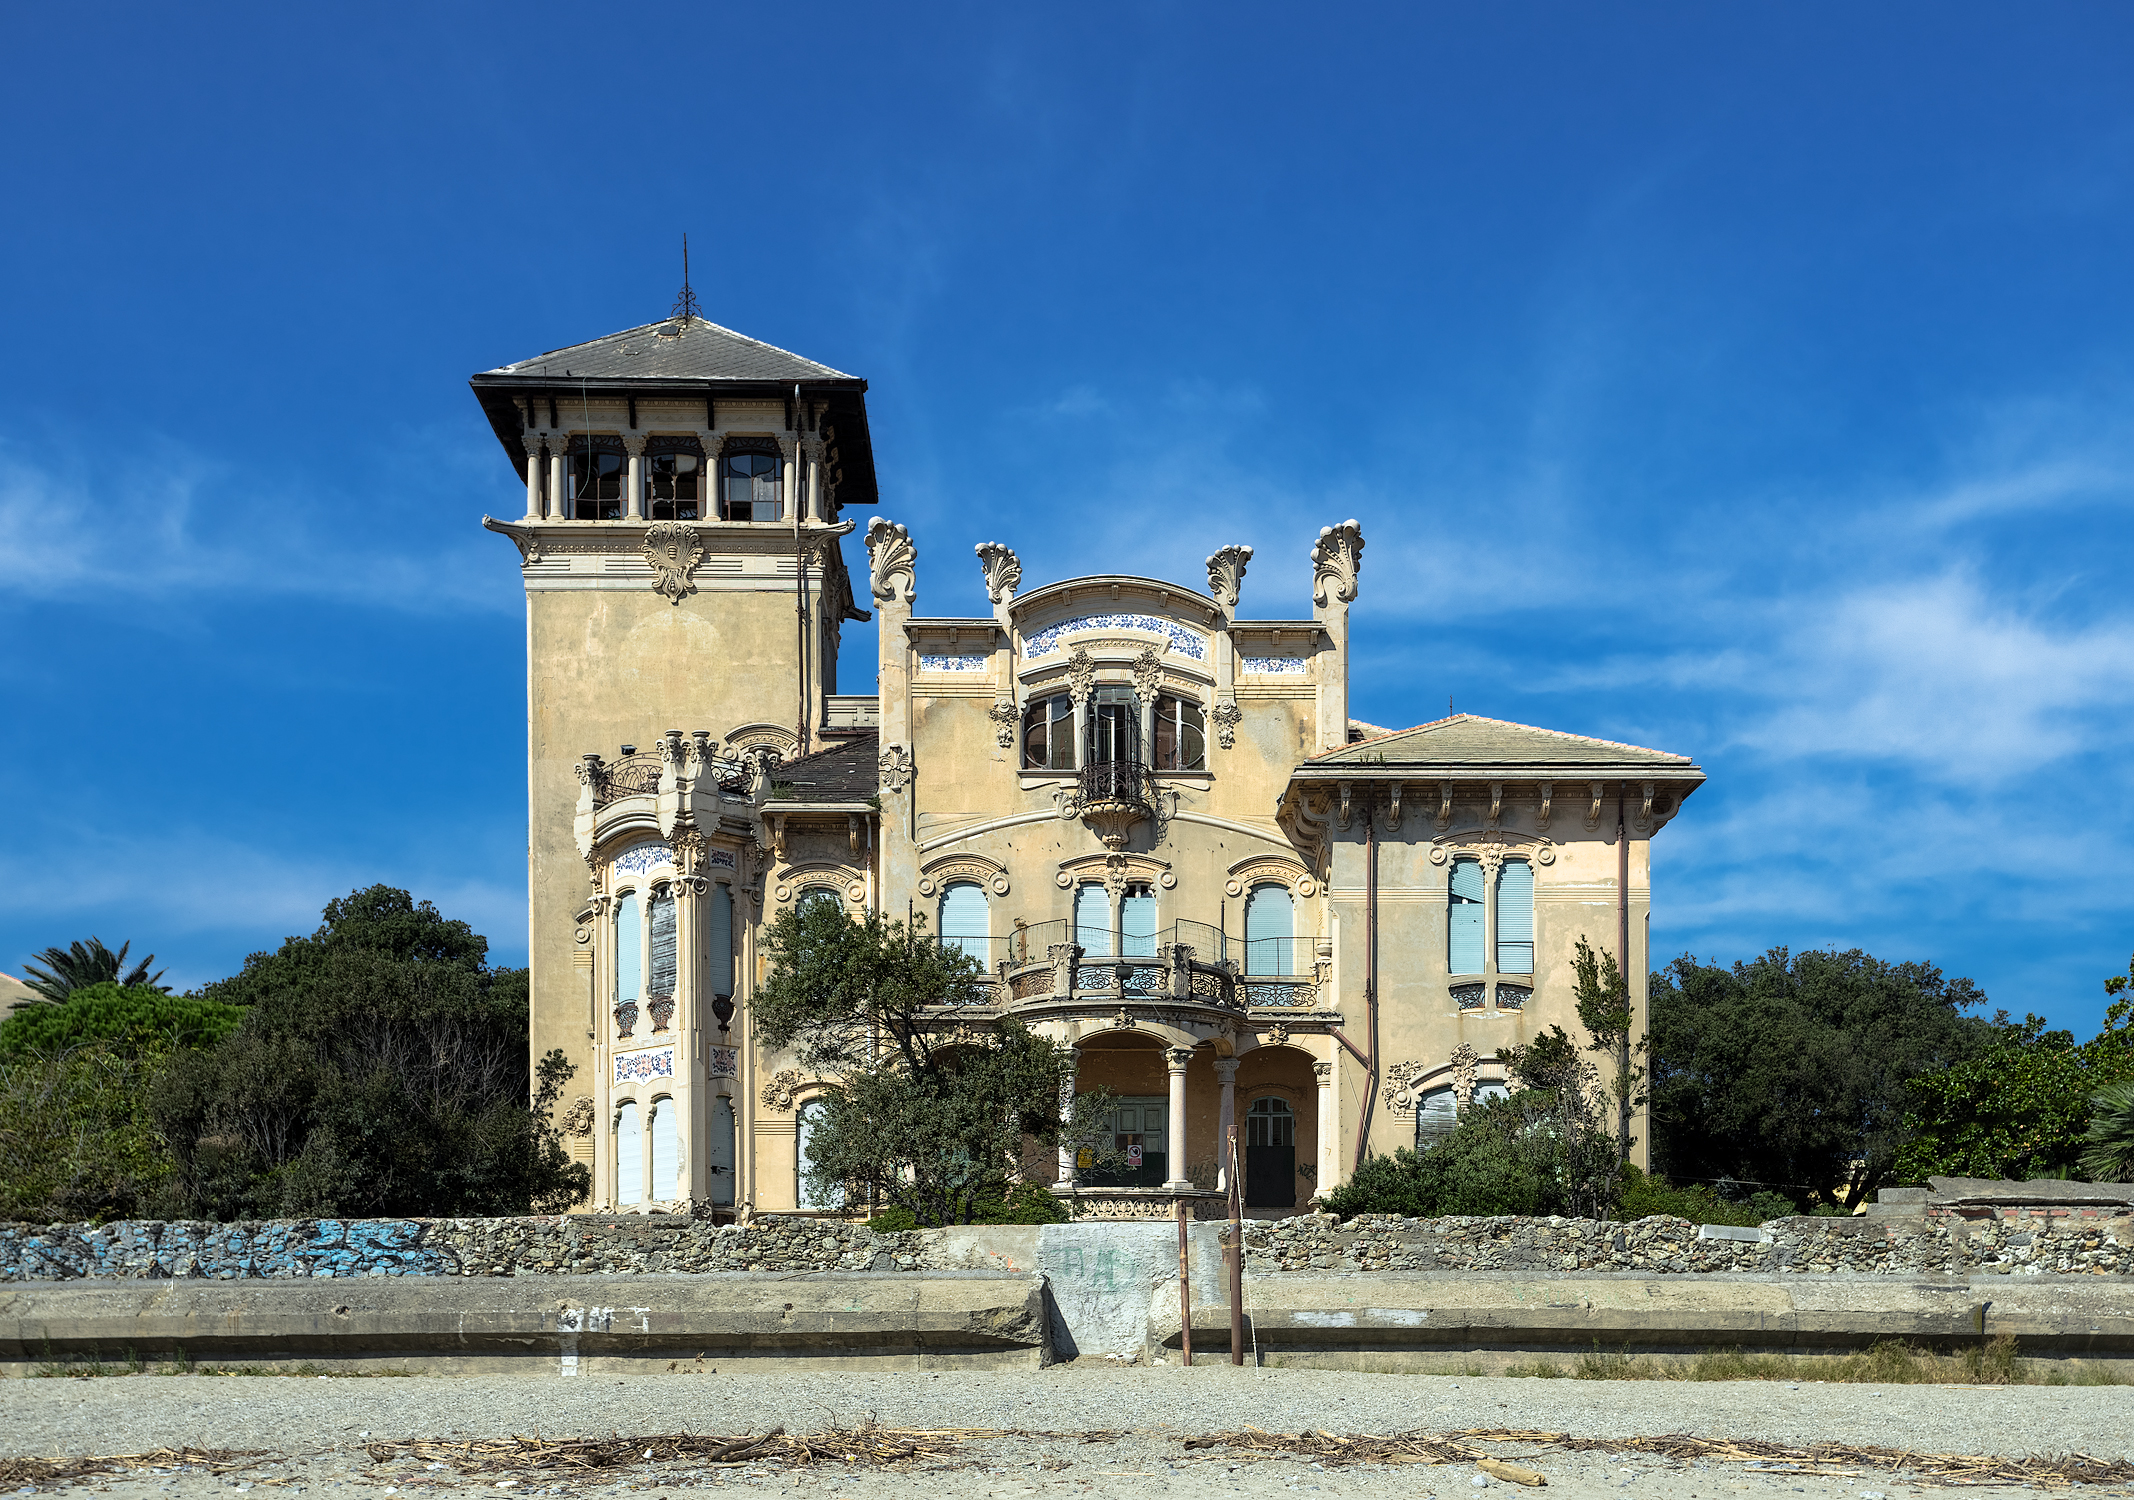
(850, 772)
(1471, 741)
(684, 349)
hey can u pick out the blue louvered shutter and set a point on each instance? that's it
(1092, 919)
(1270, 931)
(721, 941)
(1463, 919)
(1515, 918)
(629, 954)
(963, 918)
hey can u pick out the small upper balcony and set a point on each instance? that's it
(1046, 964)
(1114, 795)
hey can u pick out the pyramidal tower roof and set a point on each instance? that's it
(684, 348)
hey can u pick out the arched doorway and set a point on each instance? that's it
(1270, 1154)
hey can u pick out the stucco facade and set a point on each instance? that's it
(1148, 814)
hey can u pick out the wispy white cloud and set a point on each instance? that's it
(158, 519)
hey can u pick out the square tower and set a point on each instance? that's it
(680, 549)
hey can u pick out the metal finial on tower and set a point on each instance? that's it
(685, 306)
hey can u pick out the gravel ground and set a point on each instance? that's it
(317, 1427)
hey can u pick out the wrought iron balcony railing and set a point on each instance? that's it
(1118, 781)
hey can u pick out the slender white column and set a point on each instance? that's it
(1329, 1127)
(1175, 1143)
(812, 452)
(559, 487)
(1068, 1168)
(531, 441)
(635, 443)
(1226, 1075)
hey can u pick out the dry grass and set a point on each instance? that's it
(1833, 1460)
(1891, 1362)
(870, 1445)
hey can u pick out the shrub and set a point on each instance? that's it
(132, 1019)
(893, 1221)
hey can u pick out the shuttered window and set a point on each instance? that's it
(629, 1155)
(1092, 919)
(719, 941)
(1464, 952)
(721, 1166)
(963, 919)
(666, 1153)
(660, 984)
(1137, 922)
(629, 953)
(1437, 1114)
(1515, 918)
(1270, 931)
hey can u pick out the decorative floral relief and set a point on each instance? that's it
(626, 1018)
(578, 1119)
(1274, 666)
(642, 859)
(1186, 642)
(952, 663)
(636, 1067)
(778, 1092)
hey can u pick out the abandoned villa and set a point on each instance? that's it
(1148, 814)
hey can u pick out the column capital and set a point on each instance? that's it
(1226, 1070)
(1325, 1072)
(531, 442)
(633, 443)
(1178, 1058)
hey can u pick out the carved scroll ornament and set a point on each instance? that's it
(891, 556)
(673, 550)
(1226, 576)
(1337, 557)
(1003, 571)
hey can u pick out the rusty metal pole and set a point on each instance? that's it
(1236, 1257)
(1185, 1288)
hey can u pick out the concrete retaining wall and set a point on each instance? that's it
(541, 1325)
(1417, 1320)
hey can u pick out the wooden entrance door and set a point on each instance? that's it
(1270, 1155)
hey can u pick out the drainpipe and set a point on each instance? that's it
(1370, 980)
(1622, 950)
(798, 489)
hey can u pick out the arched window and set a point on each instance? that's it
(1092, 919)
(674, 471)
(964, 921)
(596, 474)
(818, 897)
(720, 1169)
(809, 1119)
(666, 1153)
(1114, 727)
(1464, 953)
(1048, 734)
(719, 942)
(750, 487)
(1270, 930)
(1137, 921)
(660, 972)
(1515, 918)
(1181, 735)
(629, 952)
(629, 1154)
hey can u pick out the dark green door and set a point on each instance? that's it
(1270, 1155)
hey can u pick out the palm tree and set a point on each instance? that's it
(83, 964)
(2108, 1146)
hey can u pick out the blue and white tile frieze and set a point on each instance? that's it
(643, 1067)
(1274, 666)
(952, 663)
(1189, 643)
(640, 859)
(726, 1062)
(720, 859)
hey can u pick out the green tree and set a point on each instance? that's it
(927, 1121)
(1604, 1009)
(1568, 1115)
(2108, 1144)
(380, 1067)
(1504, 1157)
(74, 1143)
(2021, 1107)
(1793, 1072)
(133, 1020)
(80, 965)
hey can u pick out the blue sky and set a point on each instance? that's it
(1748, 381)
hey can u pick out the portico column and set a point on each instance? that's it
(1226, 1075)
(1329, 1128)
(812, 451)
(634, 443)
(559, 507)
(1175, 1138)
(531, 442)
(1068, 1166)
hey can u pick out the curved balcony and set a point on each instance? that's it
(1114, 795)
